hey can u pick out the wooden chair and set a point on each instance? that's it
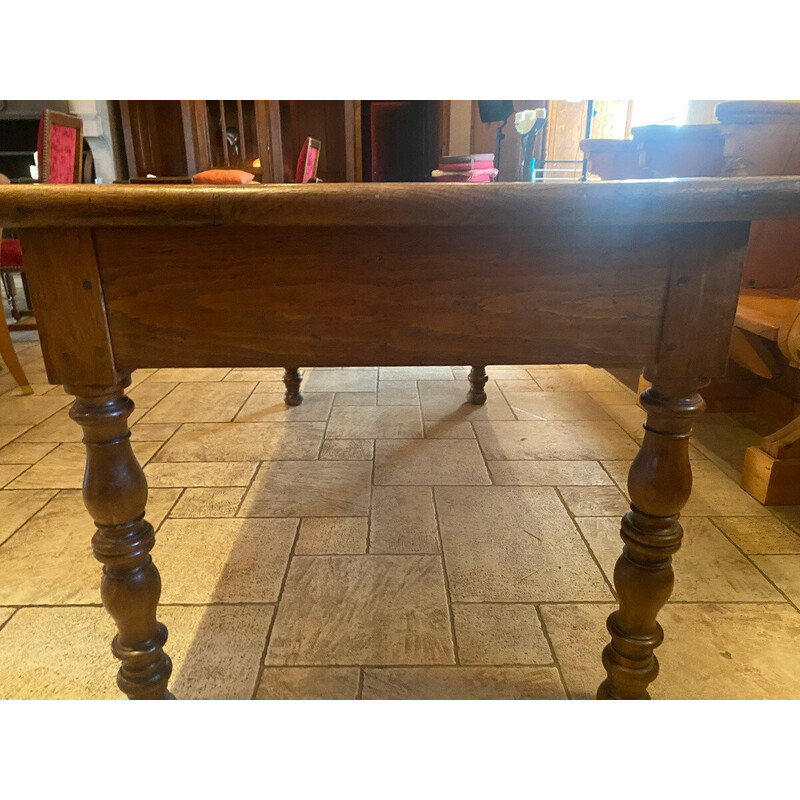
(763, 138)
(754, 138)
(60, 157)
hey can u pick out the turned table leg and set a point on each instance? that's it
(115, 493)
(292, 377)
(477, 380)
(659, 483)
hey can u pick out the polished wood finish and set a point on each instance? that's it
(477, 381)
(292, 378)
(115, 495)
(10, 359)
(396, 275)
(659, 484)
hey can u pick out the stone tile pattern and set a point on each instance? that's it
(384, 541)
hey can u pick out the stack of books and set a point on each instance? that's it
(478, 168)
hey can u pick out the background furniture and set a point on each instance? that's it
(598, 273)
(360, 139)
(61, 157)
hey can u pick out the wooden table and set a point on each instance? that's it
(643, 273)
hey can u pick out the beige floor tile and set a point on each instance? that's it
(555, 406)
(495, 373)
(18, 507)
(201, 402)
(38, 389)
(208, 473)
(58, 428)
(448, 429)
(157, 432)
(25, 452)
(5, 615)
(548, 473)
(332, 536)
(10, 432)
(375, 422)
(431, 461)
(760, 535)
(243, 441)
(713, 492)
(49, 560)
(594, 501)
(63, 468)
(403, 520)
(622, 397)
(201, 375)
(209, 502)
(630, 418)
(514, 544)
(784, 572)
(353, 379)
(463, 683)
(355, 399)
(148, 393)
(270, 407)
(572, 380)
(216, 650)
(789, 515)
(64, 653)
(347, 450)
(223, 560)
(710, 651)
(708, 568)
(726, 438)
(348, 610)
(310, 489)
(415, 374)
(308, 683)
(398, 393)
(10, 471)
(557, 441)
(30, 409)
(272, 375)
(494, 633)
(528, 385)
(448, 400)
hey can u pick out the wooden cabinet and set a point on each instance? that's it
(361, 139)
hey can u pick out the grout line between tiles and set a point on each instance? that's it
(756, 567)
(585, 541)
(556, 662)
(448, 594)
(262, 661)
(360, 687)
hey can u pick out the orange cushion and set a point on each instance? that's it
(223, 176)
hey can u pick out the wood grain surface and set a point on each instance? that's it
(399, 205)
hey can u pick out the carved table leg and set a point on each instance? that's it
(477, 380)
(659, 483)
(292, 378)
(115, 493)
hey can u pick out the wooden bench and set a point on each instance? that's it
(755, 138)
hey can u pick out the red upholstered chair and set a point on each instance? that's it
(60, 157)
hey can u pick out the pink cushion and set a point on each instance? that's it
(63, 141)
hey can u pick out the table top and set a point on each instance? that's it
(402, 204)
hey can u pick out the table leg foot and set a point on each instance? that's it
(115, 494)
(292, 378)
(659, 483)
(477, 380)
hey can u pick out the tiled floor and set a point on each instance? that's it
(386, 540)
